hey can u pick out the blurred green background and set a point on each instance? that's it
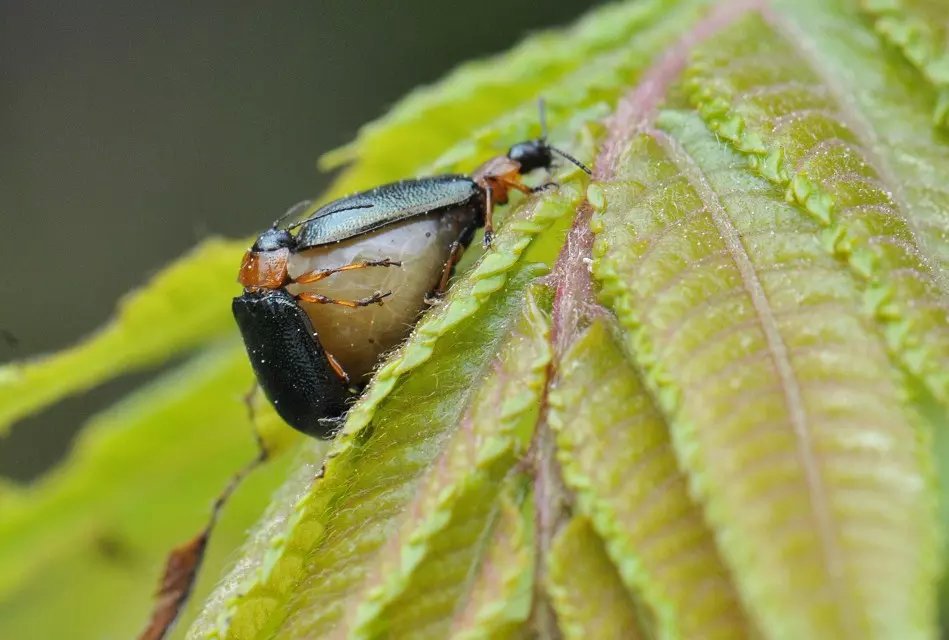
(132, 130)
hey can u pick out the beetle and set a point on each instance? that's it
(312, 350)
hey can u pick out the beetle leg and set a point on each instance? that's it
(375, 298)
(184, 561)
(503, 183)
(454, 255)
(333, 425)
(262, 452)
(488, 216)
(547, 185)
(520, 186)
(337, 367)
(249, 403)
(496, 188)
(319, 274)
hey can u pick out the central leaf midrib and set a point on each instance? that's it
(790, 387)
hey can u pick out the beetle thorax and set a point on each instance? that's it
(264, 269)
(497, 174)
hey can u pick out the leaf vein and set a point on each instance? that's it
(820, 509)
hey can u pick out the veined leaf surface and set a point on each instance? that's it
(741, 320)
(587, 594)
(727, 431)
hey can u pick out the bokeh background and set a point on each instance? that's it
(131, 130)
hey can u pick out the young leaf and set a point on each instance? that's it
(918, 28)
(183, 307)
(442, 539)
(616, 455)
(566, 67)
(763, 91)
(587, 594)
(752, 409)
(498, 598)
(741, 320)
(128, 492)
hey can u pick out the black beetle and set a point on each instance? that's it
(421, 225)
(425, 223)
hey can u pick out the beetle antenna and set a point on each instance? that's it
(327, 213)
(542, 113)
(542, 109)
(569, 157)
(295, 210)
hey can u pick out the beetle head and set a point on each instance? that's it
(537, 154)
(276, 238)
(531, 154)
(273, 239)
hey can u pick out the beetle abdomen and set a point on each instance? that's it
(289, 362)
(385, 205)
(358, 337)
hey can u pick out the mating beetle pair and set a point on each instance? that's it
(420, 227)
(310, 350)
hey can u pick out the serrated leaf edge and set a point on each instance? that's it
(916, 357)
(513, 408)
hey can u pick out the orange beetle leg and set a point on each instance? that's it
(337, 367)
(319, 274)
(375, 298)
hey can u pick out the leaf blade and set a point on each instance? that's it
(441, 540)
(813, 144)
(138, 482)
(588, 596)
(655, 269)
(185, 300)
(478, 94)
(915, 27)
(617, 457)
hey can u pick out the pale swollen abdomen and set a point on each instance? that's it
(358, 337)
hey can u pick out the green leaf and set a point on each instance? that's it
(571, 69)
(183, 307)
(784, 408)
(498, 598)
(587, 593)
(745, 431)
(759, 89)
(444, 536)
(616, 455)
(918, 28)
(128, 490)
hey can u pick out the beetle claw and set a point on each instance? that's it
(376, 298)
(544, 187)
